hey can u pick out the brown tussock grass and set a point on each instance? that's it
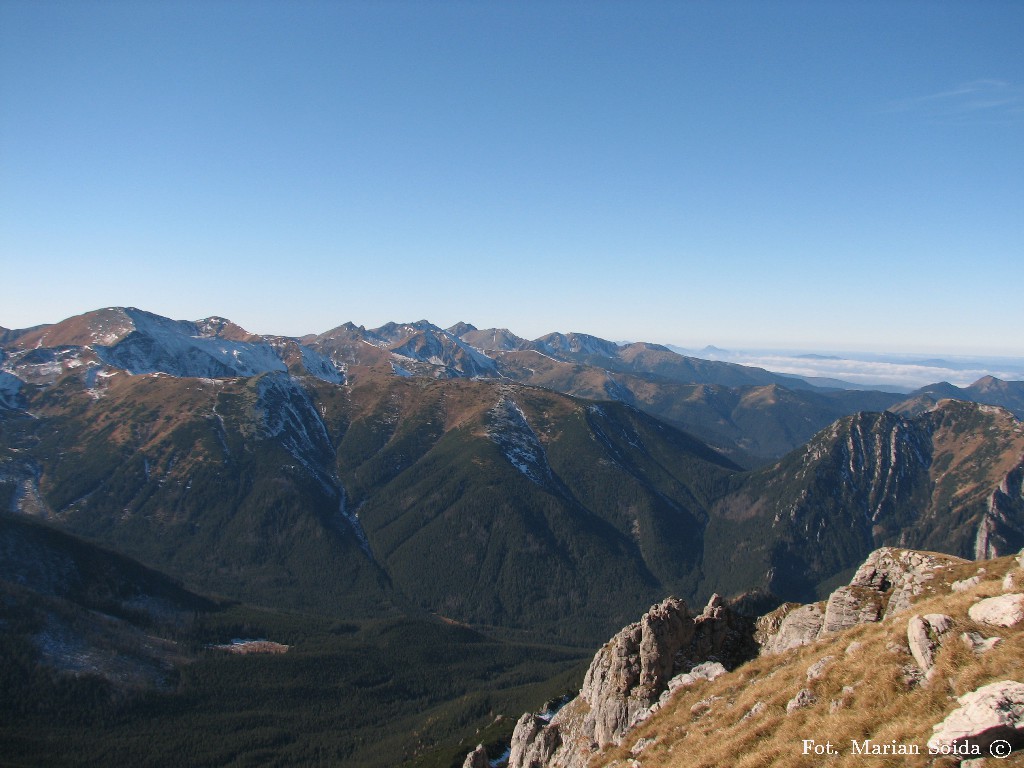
(886, 704)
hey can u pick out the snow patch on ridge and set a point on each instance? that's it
(321, 367)
(289, 413)
(512, 433)
(160, 345)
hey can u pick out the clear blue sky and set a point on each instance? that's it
(809, 174)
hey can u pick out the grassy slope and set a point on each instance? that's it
(706, 722)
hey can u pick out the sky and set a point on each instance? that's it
(757, 174)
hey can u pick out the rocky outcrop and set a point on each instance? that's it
(798, 626)
(905, 572)
(925, 635)
(1001, 611)
(991, 713)
(640, 669)
(630, 677)
(849, 606)
(632, 670)
(533, 742)
(884, 585)
(804, 698)
(477, 758)
(978, 643)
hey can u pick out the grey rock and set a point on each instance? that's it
(817, 669)
(979, 643)
(1000, 611)
(992, 712)
(905, 572)
(709, 670)
(755, 710)
(477, 758)
(804, 698)
(534, 742)
(800, 626)
(965, 584)
(629, 673)
(884, 585)
(629, 679)
(641, 745)
(925, 635)
(850, 606)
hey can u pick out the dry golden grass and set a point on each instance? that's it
(867, 692)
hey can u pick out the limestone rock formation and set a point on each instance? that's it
(979, 643)
(1001, 611)
(925, 635)
(883, 586)
(477, 758)
(804, 698)
(905, 571)
(632, 670)
(799, 626)
(533, 742)
(628, 677)
(992, 712)
(849, 606)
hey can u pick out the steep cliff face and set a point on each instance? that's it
(1002, 525)
(949, 480)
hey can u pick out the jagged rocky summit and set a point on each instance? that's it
(629, 678)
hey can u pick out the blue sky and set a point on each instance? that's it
(800, 174)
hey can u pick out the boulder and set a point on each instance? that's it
(1000, 611)
(817, 669)
(979, 643)
(965, 584)
(800, 626)
(709, 670)
(991, 713)
(925, 635)
(804, 698)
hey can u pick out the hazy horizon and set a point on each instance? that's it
(903, 370)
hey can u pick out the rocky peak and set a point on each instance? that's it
(630, 677)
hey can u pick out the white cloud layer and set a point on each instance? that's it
(903, 372)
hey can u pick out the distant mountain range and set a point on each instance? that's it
(545, 490)
(751, 414)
